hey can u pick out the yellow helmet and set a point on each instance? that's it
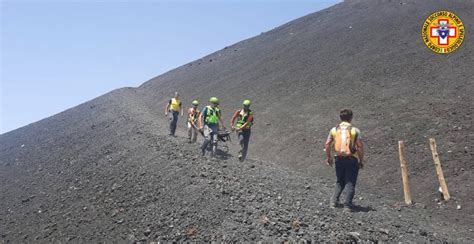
(214, 100)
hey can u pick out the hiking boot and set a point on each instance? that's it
(240, 157)
(333, 205)
(347, 208)
(203, 152)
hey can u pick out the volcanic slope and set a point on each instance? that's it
(103, 170)
(365, 55)
(124, 180)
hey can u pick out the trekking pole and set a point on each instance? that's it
(439, 170)
(404, 170)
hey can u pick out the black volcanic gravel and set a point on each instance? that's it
(104, 171)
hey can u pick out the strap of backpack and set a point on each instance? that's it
(355, 135)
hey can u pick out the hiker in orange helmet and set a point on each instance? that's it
(347, 144)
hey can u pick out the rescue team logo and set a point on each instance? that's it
(443, 32)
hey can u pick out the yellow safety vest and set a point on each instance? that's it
(175, 104)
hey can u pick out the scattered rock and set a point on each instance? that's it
(355, 235)
(115, 186)
(192, 232)
(295, 225)
(264, 220)
(423, 232)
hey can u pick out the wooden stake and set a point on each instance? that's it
(403, 167)
(439, 170)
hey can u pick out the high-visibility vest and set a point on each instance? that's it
(175, 104)
(194, 112)
(212, 115)
(243, 117)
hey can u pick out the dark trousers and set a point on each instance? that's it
(347, 170)
(244, 138)
(173, 121)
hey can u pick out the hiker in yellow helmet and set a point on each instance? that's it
(193, 115)
(346, 141)
(173, 107)
(210, 121)
(242, 122)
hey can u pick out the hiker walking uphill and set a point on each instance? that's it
(243, 127)
(209, 122)
(193, 115)
(346, 142)
(173, 107)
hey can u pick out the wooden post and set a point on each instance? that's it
(403, 167)
(439, 170)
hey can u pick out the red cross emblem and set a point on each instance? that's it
(443, 31)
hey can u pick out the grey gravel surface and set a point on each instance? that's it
(144, 186)
(104, 170)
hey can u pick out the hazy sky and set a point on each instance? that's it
(58, 54)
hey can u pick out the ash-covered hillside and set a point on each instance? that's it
(104, 171)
